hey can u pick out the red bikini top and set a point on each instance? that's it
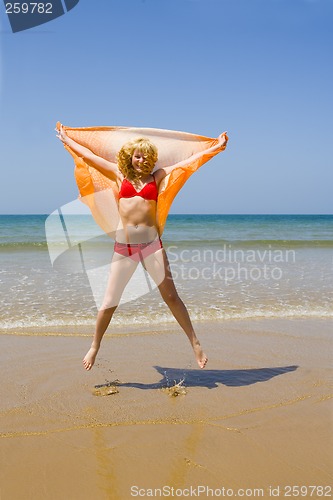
(148, 192)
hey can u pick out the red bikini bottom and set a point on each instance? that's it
(138, 251)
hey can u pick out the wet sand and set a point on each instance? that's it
(259, 416)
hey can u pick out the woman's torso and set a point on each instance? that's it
(137, 209)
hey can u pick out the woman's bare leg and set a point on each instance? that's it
(122, 268)
(104, 317)
(157, 265)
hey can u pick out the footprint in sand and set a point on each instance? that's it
(176, 390)
(106, 389)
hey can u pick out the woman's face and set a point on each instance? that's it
(138, 159)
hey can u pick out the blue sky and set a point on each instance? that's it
(260, 69)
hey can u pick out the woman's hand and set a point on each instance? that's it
(107, 168)
(223, 139)
(62, 134)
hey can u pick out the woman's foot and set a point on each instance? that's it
(89, 359)
(200, 356)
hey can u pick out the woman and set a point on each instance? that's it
(137, 237)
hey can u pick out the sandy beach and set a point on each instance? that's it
(258, 417)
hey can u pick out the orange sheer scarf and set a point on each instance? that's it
(101, 193)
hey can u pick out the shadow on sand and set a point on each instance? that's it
(210, 378)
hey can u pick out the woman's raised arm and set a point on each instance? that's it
(221, 144)
(107, 168)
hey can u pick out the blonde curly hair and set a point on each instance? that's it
(124, 157)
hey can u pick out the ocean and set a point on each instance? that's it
(224, 266)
